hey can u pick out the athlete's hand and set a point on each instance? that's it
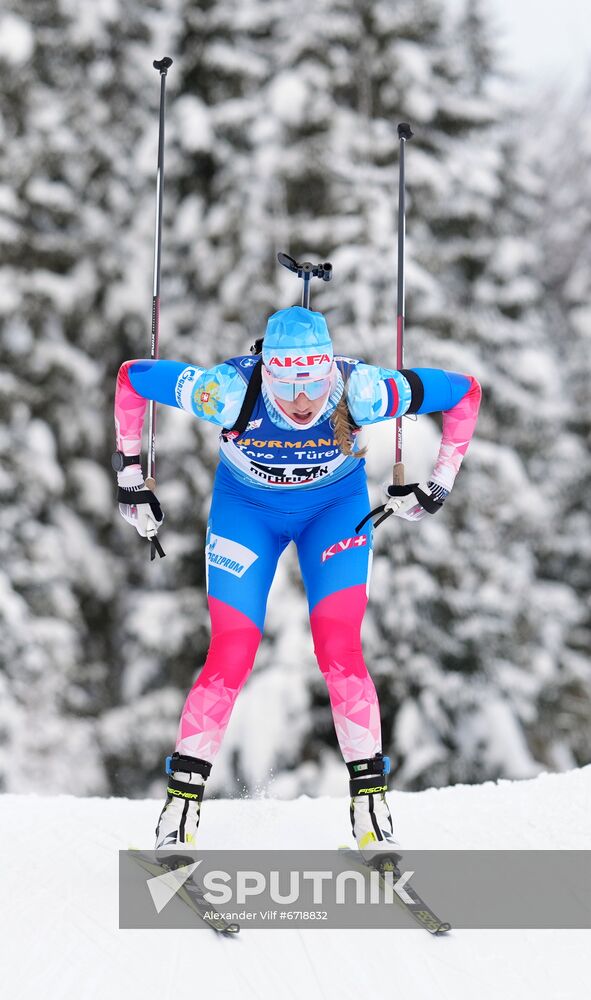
(145, 516)
(415, 500)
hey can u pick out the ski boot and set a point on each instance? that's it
(179, 819)
(370, 816)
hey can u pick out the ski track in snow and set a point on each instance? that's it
(58, 923)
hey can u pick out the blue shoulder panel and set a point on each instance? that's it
(156, 380)
(442, 389)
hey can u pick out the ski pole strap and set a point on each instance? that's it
(156, 545)
(372, 513)
(134, 497)
(252, 391)
(427, 503)
(140, 496)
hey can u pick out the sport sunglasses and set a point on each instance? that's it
(289, 390)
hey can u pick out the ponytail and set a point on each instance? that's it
(344, 426)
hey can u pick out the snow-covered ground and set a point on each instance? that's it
(58, 924)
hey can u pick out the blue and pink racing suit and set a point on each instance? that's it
(274, 485)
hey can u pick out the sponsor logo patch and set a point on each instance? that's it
(346, 543)
(225, 553)
(287, 475)
(268, 443)
(300, 361)
(183, 383)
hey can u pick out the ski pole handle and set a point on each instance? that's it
(398, 474)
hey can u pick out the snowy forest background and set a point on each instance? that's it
(281, 135)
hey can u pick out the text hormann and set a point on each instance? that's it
(251, 442)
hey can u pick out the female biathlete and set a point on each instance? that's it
(294, 473)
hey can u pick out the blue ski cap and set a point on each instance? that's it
(297, 345)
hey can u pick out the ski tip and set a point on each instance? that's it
(442, 929)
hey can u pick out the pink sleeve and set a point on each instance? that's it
(130, 408)
(458, 427)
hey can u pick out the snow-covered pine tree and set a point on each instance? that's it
(58, 579)
(76, 244)
(562, 157)
(485, 630)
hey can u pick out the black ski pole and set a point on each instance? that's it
(404, 134)
(162, 65)
(307, 274)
